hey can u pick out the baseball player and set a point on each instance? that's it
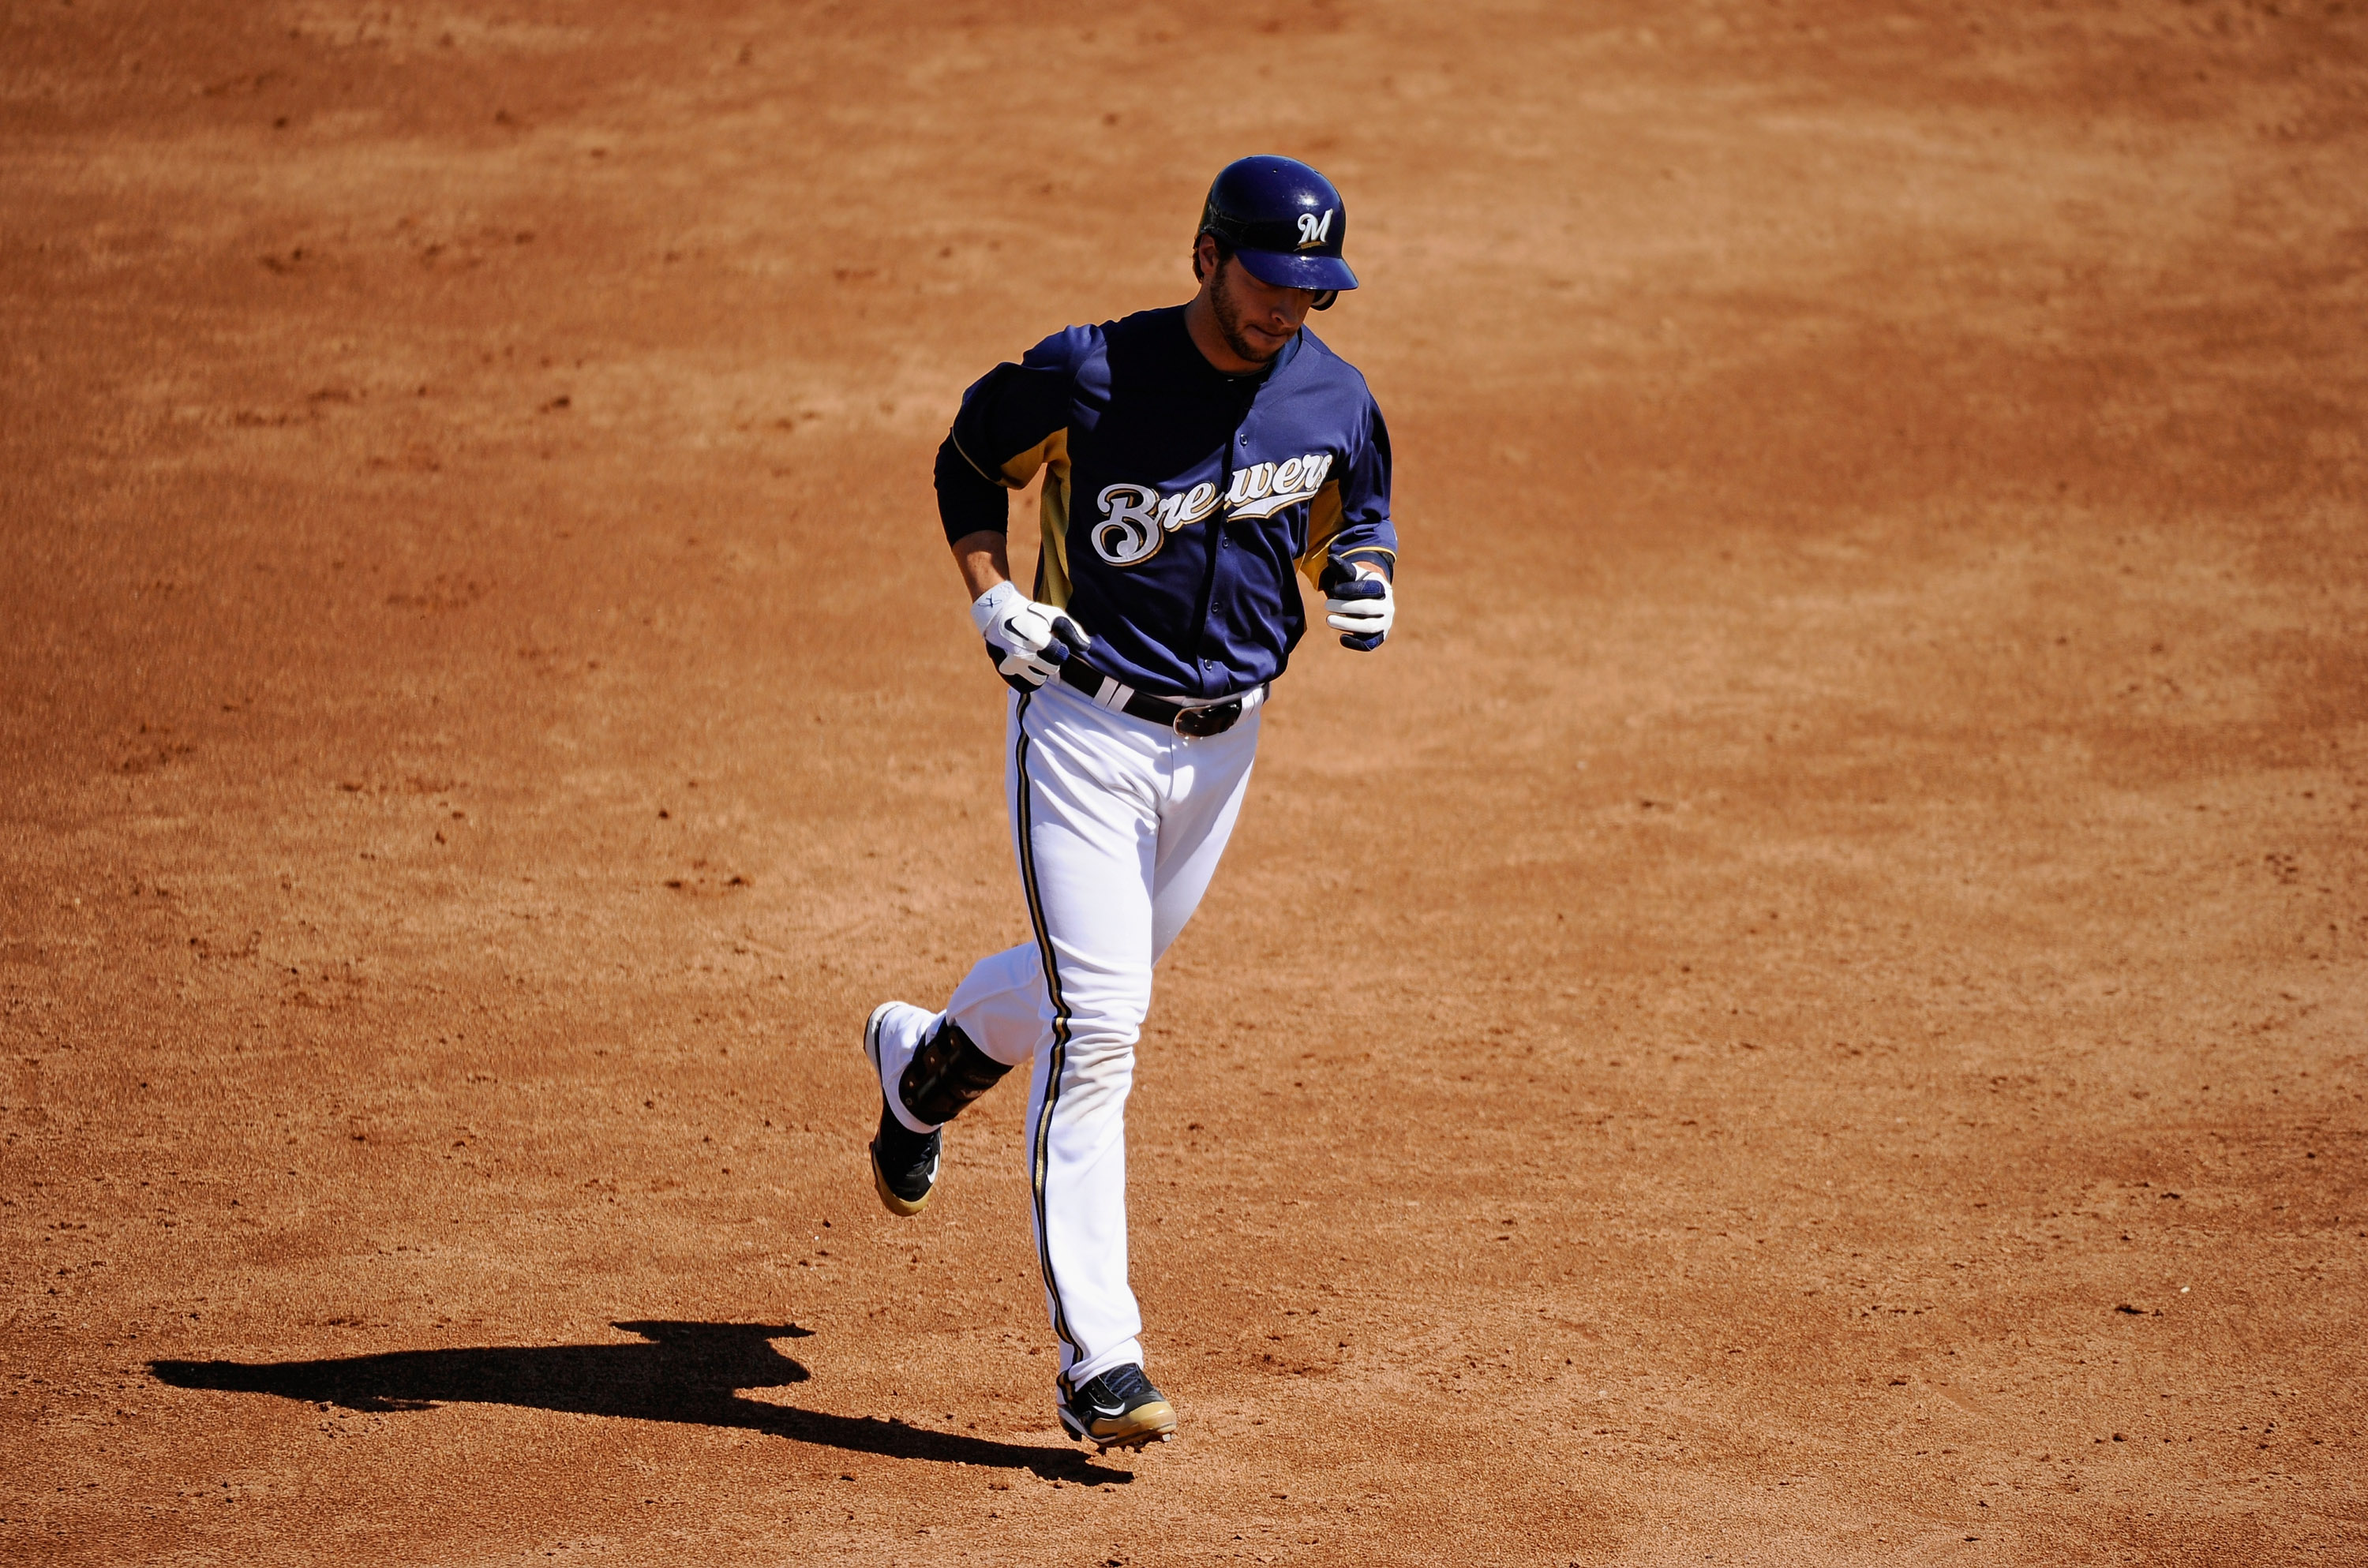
(1192, 458)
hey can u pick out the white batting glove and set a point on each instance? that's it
(1029, 641)
(1362, 610)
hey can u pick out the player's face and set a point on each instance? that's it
(1256, 319)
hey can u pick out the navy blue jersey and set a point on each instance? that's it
(1177, 499)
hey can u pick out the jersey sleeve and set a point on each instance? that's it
(1013, 421)
(1349, 522)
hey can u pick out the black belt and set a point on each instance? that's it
(1104, 691)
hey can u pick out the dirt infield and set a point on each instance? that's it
(1812, 1007)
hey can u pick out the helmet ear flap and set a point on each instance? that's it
(1322, 302)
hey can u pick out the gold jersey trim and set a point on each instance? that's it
(1053, 561)
(1323, 523)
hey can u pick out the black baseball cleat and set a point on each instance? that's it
(903, 1162)
(904, 1165)
(1119, 1410)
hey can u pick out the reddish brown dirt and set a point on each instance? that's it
(1809, 1007)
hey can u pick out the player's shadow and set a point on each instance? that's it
(689, 1372)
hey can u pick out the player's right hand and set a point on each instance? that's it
(1029, 641)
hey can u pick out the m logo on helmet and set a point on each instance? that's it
(1315, 230)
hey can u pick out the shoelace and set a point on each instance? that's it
(1126, 1384)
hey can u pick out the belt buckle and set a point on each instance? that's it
(1197, 723)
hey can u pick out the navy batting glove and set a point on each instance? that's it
(1362, 609)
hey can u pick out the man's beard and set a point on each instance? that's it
(1229, 326)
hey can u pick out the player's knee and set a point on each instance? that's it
(1095, 1028)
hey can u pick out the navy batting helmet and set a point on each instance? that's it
(1284, 220)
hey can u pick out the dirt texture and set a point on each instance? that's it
(1808, 1008)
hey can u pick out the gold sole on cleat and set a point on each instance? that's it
(1153, 1423)
(896, 1205)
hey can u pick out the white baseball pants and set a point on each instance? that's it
(1118, 824)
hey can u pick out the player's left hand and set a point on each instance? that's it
(1362, 610)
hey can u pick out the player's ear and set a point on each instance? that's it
(1204, 256)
